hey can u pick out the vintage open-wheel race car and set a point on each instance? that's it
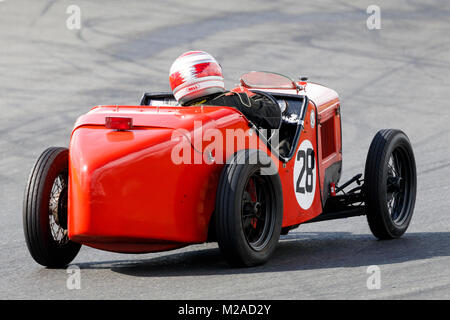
(159, 176)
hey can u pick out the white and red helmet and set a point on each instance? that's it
(195, 74)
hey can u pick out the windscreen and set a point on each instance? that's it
(263, 79)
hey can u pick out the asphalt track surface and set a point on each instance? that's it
(395, 77)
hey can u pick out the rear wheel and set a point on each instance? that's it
(390, 184)
(45, 210)
(249, 210)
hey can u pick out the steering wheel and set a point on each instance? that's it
(275, 102)
(268, 96)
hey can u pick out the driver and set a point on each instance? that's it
(196, 79)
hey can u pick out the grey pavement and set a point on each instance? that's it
(394, 77)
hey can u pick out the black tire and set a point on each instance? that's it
(246, 200)
(45, 210)
(390, 184)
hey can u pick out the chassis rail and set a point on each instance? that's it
(345, 205)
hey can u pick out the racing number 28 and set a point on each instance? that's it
(308, 167)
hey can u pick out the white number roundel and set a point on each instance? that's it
(305, 174)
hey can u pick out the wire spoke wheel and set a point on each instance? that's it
(45, 210)
(390, 184)
(257, 220)
(58, 209)
(398, 185)
(249, 210)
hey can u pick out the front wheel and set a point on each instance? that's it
(249, 209)
(390, 184)
(45, 210)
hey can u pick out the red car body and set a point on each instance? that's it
(126, 194)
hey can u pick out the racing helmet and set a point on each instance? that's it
(195, 74)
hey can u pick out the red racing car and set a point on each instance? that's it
(159, 176)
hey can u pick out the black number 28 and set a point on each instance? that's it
(308, 166)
